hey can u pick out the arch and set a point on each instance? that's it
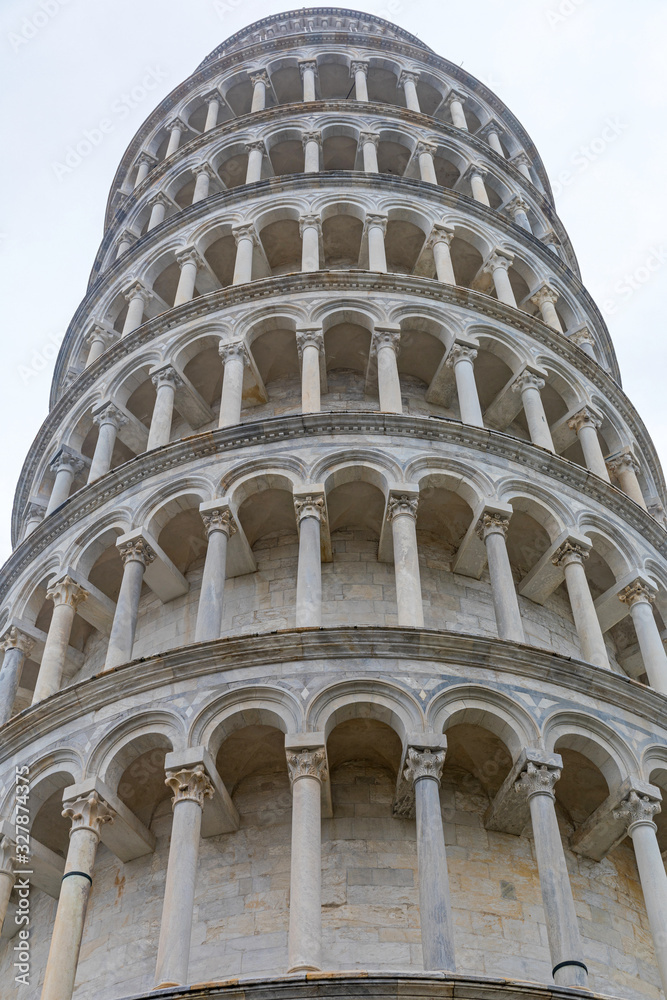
(485, 707)
(594, 740)
(130, 739)
(365, 699)
(247, 706)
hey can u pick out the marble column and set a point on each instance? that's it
(307, 770)
(585, 424)
(125, 241)
(522, 163)
(246, 240)
(176, 128)
(260, 85)
(34, 515)
(7, 872)
(537, 783)
(312, 145)
(136, 556)
(99, 339)
(426, 153)
(66, 595)
(66, 466)
(461, 358)
(17, 647)
(625, 468)
(639, 598)
(213, 102)
(310, 230)
(570, 557)
(145, 164)
(492, 132)
(87, 816)
(440, 242)
(308, 70)
(498, 265)
(529, 385)
(190, 786)
(166, 382)
(311, 515)
(369, 151)
(359, 72)
(204, 175)
(518, 209)
(234, 357)
(310, 345)
(584, 340)
(639, 811)
(220, 526)
(159, 204)
(255, 150)
(408, 81)
(376, 227)
(386, 345)
(455, 102)
(424, 770)
(492, 528)
(402, 515)
(189, 262)
(476, 174)
(109, 419)
(545, 298)
(136, 297)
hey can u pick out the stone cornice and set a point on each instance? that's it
(478, 653)
(90, 498)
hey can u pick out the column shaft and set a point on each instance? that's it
(61, 488)
(505, 602)
(186, 282)
(479, 189)
(389, 385)
(55, 652)
(309, 573)
(427, 168)
(212, 115)
(305, 911)
(360, 85)
(211, 597)
(654, 887)
(124, 625)
(650, 645)
(377, 259)
(255, 160)
(370, 157)
(243, 263)
(258, 95)
(310, 248)
(434, 902)
(503, 286)
(310, 379)
(202, 186)
(106, 441)
(466, 390)
(538, 427)
(311, 163)
(174, 142)
(163, 411)
(232, 391)
(406, 570)
(458, 114)
(585, 616)
(135, 314)
(590, 445)
(442, 258)
(10, 674)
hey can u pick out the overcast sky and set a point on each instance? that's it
(587, 79)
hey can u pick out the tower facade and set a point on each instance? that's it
(332, 634)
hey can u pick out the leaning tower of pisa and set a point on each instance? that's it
(333, 629)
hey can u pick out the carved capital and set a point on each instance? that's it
(66, 591)
(310, 505)
(203, 168)
(423, 763)
(136, 291)
(159, 199)
(307, 64)
(499, 259)
(637, 593)
(455, 95)
(66, 459)
(527, 380)
(167, 376)
(229, 352)
(146, 158)
(375, 221)
(623, 463)
(88, 813)
(309, 337)
(426, 147)
(408, 76)
(260, 76)
(212, 95)
(538, 779)
(13, 638)
(402, 505)
(101, 335)
(177, 123)
(245, 232)
(638, 810)
(492, 522)
(440, 233)
(136, 550)
(517, 205)
(219, 520)
(570, 552)
(311, 137)
(309, 222)
(372, 137)
(460, 352)
(358, 66)
(544, 294)
(582, 336)
(189, 256)
(475, 170)
(485, 131)
(521, 160)
(584, 418)
(109, 413)
(307, 764)
(255, 145)
(386, 337)
(191, 784)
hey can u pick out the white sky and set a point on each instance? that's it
(566, 68)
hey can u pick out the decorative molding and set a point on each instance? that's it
(89, 813)
(189, 785)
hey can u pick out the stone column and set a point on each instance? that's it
(189, 262)
(583, 339)
(359, 72)
(455, 104)
(234, 358)
(310, 230)
(492, 528)
(312, 144)
(625, 468)
(310, 515)
(307, 771)
(386, 345)
(440, 241)
(545, 298)
(492, 132)
(109, 419)
(166, 382)
(585, 423)
(476, 174)
(246, 240)
(204, 175)
(136, 556)
(518, 209)
(402, 515)
(190, 787)
(376, 226)
(369, 151)
(17, 646)
(66, 466)
(408, 81)
(176, 128)
(136, 296)
(220, 526)
(7, 869)
(639, 811)
(638, 597)
(570, 557)
(424, 770)
(256, 150)
(34, 515)
(145, 164)
(87, 816)
(310, 345)
(124, 243)
(426, 152)
(522, 163)
(260, 85)
(537, 783)
(159, 204)
(308, 70)
(461, 358)
(497, 265)
(98, 340)
(66, 595)
(529, 385)
(213, 102)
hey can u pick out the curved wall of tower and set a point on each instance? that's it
(332, 633)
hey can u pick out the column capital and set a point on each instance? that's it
(582, 336)
(386, 336)
(66, 591)
(440, 233)
(259, 76)
(402, 505)
(375, 220)
(136, 550)
(159, 199)
(108, 413)
(67, 458)
(492, 522)
(146, 158)
(189, 255)
(102, 335)
(421, 762)
(307, 64)
(14, 638)
(585, 417)
(312, 136)
(408, 76)
(527, 380)
(310, 763)
(212, 95)
(498, 258)
(544, 294)
(310, 222)
(137, 290)
(218, 519)
(538, 779)
(237, 349)
(475, 170)
(517, 204)
(359, 66)
(491, 126)
(310, 505)
(246, 231)
(426, 147)
(569, 552)
(203, 168)
(455, 95)
(88, 813)
(638, 810)
(126, 236)
(460, 352)
(310, 336)
(626, 462)
(255, 145)
(367, 136)
(166, 376)
(637, 592)
(190, 784)
(177, 123)
(521, 160)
